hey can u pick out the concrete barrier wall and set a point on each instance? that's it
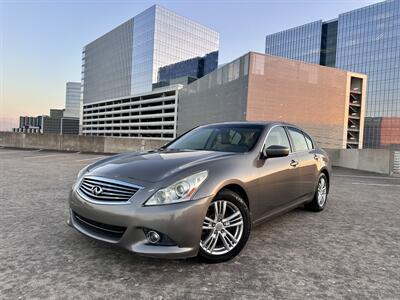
(77, 142)
(373, 160)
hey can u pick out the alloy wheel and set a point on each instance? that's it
(222, 228)
(321, 192)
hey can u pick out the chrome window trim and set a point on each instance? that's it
(86, 198)
(306, 135)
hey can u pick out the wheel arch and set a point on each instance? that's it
(238, 189)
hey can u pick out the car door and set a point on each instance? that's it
(277, 177)
(307, 162)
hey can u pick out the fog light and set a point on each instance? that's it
(153, 237)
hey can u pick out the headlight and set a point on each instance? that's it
(180, 191)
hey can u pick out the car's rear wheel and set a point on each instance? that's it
(226, 227)
(321, 195)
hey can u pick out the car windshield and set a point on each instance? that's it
(219, 138)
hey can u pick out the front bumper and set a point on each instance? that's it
(124, 224)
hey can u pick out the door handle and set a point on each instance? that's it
(294, 163)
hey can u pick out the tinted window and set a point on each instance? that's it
(299, 141)
(277, 136)
(219, 138)
(309, 141)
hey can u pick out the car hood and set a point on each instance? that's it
(152, 166)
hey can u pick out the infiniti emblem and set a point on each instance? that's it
(97, 190)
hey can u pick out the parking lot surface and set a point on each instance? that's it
(351, 250)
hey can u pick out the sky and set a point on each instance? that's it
(41, 41)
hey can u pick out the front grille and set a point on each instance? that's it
(102, 189)
(104, 230)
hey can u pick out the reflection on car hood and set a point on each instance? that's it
(152, 166)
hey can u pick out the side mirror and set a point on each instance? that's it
(275, 151)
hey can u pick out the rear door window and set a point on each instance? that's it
(299, 141)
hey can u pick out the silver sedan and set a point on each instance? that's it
(201, 193)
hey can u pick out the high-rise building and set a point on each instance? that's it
(195, 67)
(365, 40)
(72, 99)
(126, 61)
(301, 43)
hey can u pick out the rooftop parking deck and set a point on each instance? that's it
(350, 250)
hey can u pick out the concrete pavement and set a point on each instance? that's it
(349, 251)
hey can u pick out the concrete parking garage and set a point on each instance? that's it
(350, 250)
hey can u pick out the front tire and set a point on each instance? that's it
(321, 195)
(226, 228)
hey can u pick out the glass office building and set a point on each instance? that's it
(365, 40)
(126, 60)
(329, 43)
(301, 43)
(72, 99)
(107, 65)
(195, 67)
(369, 42)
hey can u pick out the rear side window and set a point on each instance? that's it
(309, 141)
(299, 142)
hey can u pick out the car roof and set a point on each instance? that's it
(249, 123)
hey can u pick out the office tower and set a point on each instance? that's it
(365, 40)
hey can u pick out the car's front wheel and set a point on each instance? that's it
(226, 227)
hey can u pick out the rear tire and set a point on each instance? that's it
(321, 195)
(226, 228)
